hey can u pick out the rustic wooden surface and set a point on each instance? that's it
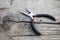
(49, 32)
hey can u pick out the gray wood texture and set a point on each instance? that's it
(49, 32)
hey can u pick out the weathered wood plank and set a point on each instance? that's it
(50, 37)
(49, 32)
